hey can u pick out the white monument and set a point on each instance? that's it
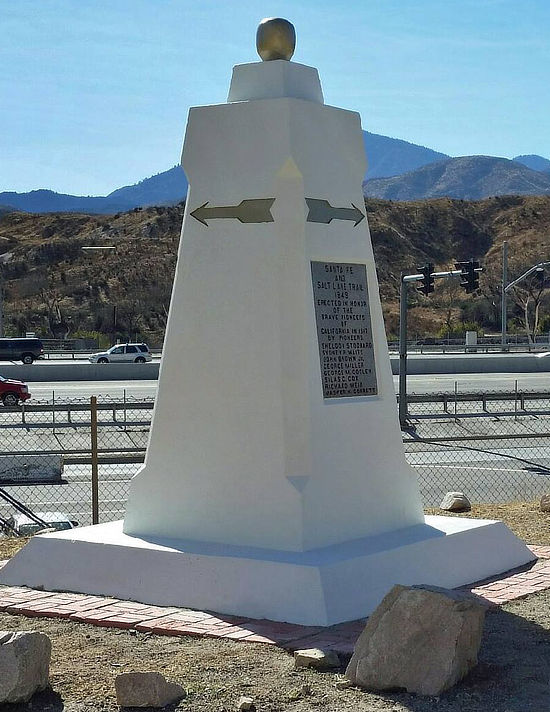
(275, 483)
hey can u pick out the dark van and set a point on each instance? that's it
(26, 350)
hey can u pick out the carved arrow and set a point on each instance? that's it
(256, 210)
(321, 211)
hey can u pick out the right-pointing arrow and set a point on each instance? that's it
(321, 211)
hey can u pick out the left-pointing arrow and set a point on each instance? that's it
(255, 210)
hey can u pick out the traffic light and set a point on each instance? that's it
(427, 282)
(469, 278)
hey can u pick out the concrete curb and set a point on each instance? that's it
(417, 365)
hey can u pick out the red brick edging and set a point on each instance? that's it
(162, 620)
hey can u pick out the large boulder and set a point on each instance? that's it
(24, 664)
(146, 689)
(420, 638)
(455, 502)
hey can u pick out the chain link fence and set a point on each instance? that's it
(68, 461)
(491, 445)
(64, 461)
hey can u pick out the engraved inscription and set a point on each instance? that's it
(344, 333)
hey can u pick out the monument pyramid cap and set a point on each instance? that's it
(275, 77)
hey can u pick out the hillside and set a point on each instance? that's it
(466, 178)
(53, 286)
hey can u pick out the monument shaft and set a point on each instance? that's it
(275, 423)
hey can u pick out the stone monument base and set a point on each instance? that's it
(317, 587)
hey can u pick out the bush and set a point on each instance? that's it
(458, 331)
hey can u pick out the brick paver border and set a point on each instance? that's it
(164, 620)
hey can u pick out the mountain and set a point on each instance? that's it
(534, 162)
(397, 170)
(47, 201)
(467, 178)
(386, 156)
(162, 189)
(392, 156)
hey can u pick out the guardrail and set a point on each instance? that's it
(463, 349)
(61, 415)
(513, 404)
(68, 409)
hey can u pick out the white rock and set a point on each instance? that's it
(146, 689)
(545, 503)
(316, 658)
(455, 502)
(420, 638)
(24, 664)
(245, 704)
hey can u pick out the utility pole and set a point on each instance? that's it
(503, 304)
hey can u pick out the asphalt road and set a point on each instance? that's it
(415, 384)
(79, 389)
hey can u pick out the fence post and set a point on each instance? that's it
(456, 404)
(93, 447)
(53, 412)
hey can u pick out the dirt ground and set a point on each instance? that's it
(513, 674)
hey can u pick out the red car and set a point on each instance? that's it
(12, 391)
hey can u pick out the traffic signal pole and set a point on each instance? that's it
(427, 280)
(403, 353)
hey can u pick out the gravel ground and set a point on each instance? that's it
(513, 674)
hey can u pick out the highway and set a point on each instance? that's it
(470, 382)
(78, 389)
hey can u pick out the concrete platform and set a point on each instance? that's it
(162, 620)
(319, 587)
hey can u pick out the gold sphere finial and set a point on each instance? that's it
(275, 39)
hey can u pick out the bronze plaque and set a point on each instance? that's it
(344, 333)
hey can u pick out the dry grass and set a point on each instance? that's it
(10, 546)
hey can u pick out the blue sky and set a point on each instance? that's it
(94, 94)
